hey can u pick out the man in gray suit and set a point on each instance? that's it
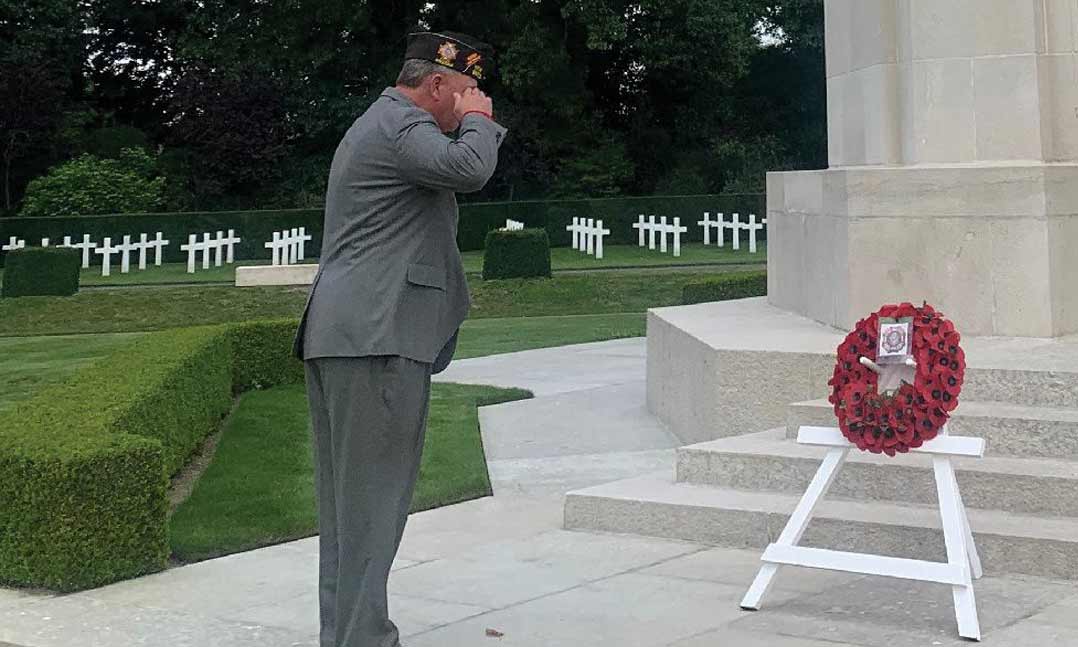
(383, 316)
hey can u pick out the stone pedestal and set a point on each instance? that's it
(992, 246)
(953, 142)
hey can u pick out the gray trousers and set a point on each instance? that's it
(368, 416)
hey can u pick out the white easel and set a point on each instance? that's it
(963, 564)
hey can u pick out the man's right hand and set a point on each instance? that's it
(473, 99)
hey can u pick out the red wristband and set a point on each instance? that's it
(480, 112)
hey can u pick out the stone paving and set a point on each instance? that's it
(500, 571)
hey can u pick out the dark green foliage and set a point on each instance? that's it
(737, 285)
(266, 351)
(41, 271)
(92, 185)
(84, 465)
(517, 255)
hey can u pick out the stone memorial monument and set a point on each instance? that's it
(953, 178)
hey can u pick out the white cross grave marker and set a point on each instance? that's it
(677, 230)
(230, 246)
(192, 248)
(575, 229)
(159, 244)
(303, 238)
(752, 227)
(600, 233)
(293, 247)
(652, 230)
(125, 250)
(735, 230)
(87, 246)
(708, 224)
(663, 229)
(106, 251)
(275, 248)
(640, 228)
(143, 246)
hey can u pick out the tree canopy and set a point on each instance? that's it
(243, 101)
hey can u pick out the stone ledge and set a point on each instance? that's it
(262, 275)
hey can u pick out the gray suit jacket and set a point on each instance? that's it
(390, 278)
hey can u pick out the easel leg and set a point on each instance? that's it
(971, 547)
(799, 521)
(956, 536)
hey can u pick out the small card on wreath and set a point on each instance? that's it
(895, 341)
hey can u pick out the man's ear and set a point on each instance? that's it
(437, 86)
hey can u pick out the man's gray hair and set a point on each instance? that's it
(416, 70)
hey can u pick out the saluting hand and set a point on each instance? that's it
(472, 99)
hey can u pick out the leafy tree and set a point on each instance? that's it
(90, 185)
(234, 131)
(41, 54)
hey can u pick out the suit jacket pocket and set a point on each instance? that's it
(426, 275)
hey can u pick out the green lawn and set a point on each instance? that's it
(623, 256)
(31, 363)
(482, 337)
(259, 489)
(140, 309)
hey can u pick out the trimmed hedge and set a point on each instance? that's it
(736, 285)
(42, 271)
(84, 465)
(263, 352)
(476, 221)
(517, 255)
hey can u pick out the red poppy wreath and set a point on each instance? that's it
(897, 420)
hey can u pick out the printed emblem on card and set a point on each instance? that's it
(895, 342)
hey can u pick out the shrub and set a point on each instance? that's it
(90, 185)
(736, 285)
(517, 254)
(84, 465)
(41, 271)
(263, 352)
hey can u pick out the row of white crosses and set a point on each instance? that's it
(659, 230)
(287, 246)
(222, 247)
(513, 225)
(736, 227)
(588, 235)
(106, 250)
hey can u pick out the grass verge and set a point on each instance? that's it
(139, 309)
(259, 490)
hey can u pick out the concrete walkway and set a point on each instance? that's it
(500, 571)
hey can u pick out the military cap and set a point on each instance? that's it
(456, 51)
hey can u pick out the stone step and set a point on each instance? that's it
(656, 506)
(1029, 386)
(1008, 429)
(769, 462)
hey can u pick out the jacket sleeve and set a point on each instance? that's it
(429, 158)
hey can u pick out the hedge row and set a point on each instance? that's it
(517, 255)
(476, 220)
(84, 465)
(736, 285)
(41, 271)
